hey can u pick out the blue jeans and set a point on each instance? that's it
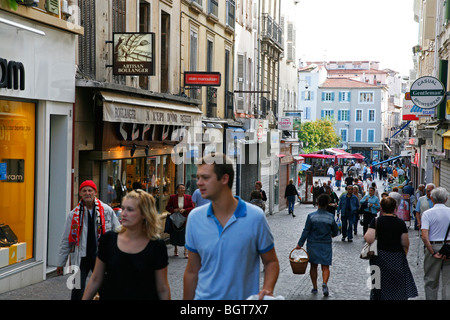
(347, 226)
(291, 203)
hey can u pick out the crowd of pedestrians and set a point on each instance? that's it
(226, 238)
(379, 214)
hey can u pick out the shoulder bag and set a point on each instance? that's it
(370, 250)
(445, 250)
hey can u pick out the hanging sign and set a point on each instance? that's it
(427, 92)
(134, 54)
(411, 112)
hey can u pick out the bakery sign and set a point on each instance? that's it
(115, 112)
(134, 54)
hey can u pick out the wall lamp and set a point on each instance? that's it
(136, 146)
(306, 83)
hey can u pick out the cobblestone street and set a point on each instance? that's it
(347, 281)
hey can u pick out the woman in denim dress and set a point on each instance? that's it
(320, 228)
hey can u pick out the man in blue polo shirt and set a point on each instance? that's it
(226, 240)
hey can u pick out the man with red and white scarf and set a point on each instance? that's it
(84, 226)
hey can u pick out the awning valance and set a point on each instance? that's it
(390, 159)
(127, 109)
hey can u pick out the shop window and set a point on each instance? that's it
(154, 174)
(17, 180)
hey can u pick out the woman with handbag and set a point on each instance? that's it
(179, 206)
(320, 228)
(392, 278)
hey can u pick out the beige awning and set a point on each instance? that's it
(127, 109)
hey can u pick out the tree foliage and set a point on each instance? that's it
(318, 135)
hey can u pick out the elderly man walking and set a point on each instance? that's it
(424, 203)
(435, 223)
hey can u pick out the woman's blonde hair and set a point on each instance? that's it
(147, 205)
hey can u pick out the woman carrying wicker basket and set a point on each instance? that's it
(320, 228)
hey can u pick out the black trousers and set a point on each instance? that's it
(86, 265)
(368, 217)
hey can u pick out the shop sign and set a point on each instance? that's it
(10, 74)
(427, 92)
(134, 54)
(14, 169)
(130, 114)
(202, 79)
(411, 112)
(286, 123)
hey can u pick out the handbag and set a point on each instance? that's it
(177, 219)
(339, 225)
(370, 250)
(445, 250)
(7, 236)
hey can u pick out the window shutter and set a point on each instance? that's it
(52, 6)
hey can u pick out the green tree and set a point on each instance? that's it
(318, 135)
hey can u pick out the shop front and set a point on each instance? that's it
(37, 92)
(135, 139)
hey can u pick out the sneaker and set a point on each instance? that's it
(314, 291)
(350, 240)
(325, 290)
(343, 239)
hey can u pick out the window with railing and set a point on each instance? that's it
(272, 30)
(213, 7)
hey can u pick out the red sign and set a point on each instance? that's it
(203, 79)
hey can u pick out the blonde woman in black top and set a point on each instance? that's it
(132, 262)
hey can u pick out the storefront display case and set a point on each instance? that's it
(154, 174)
(17, 180)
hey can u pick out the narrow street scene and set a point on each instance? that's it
(349, 274)
(193, 150)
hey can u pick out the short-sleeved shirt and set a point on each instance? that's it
(198, 199)
(130, 276)
(389, 232)
(229, 255)
(436, 220)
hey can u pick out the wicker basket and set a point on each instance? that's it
(299, 267)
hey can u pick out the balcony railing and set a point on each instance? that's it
(271, 30)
